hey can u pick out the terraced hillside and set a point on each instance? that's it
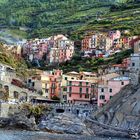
(9, 59)
(123, 17)
(70, 16)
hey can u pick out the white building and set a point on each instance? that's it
(135, 61)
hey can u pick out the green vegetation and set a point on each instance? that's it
(90, 64)
(42, 18)
(9, 59)
(37, 110)
(17, 33)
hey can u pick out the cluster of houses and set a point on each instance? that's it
(76, 87)
(72, 87)
(105, 44)
(58, 49)
(52, 50)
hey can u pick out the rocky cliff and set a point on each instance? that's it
(124, 110)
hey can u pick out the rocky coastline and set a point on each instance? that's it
(64, 123)
(43, 118)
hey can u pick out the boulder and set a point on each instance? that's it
(18, 121)
(22, 122)
(64, 123)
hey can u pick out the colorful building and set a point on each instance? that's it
(48, 84)
(65, 78)
(55, 49)
(79, 91)
(137, 46)
(114, 35)
(112, 87)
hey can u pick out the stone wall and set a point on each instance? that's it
(135, 77)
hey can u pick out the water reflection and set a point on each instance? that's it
(26, 135)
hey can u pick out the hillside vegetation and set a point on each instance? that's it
(79, 63)
(73, 17)
(9, 59)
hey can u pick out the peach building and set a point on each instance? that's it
(48, 83)
(112, 87)
(55, 83)
(79, 91)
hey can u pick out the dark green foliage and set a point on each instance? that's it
(89, 64)
(47, 17)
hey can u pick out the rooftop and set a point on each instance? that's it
(73, 72)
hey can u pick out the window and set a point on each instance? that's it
(80, 90)
(87, 96)
(80, 83)
(80, 95)
(110, 90)
(86, 90)
(122, 83)
(66, 78)
(33, 84)
(86, 83)
(102, 89)
(70, 89)
(133, 64)
(110, 97)
(70, 83)
(70, 95)
(46, 90)
(64, 89)
(102, 97)
(16, 95)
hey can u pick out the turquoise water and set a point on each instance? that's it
(26, 135)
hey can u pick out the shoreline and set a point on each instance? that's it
(49, 136)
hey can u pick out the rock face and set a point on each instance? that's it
(123, 111)
(18, 121)
(65, 123)
(22, 122)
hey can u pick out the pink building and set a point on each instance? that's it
(55, 49)
(62, 50)
(35, 49)
(79, 91)
(115, 34)
(113, 86)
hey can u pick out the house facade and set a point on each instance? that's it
(48, 84)
(79, 91)
(112, 87)
(55, 49)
